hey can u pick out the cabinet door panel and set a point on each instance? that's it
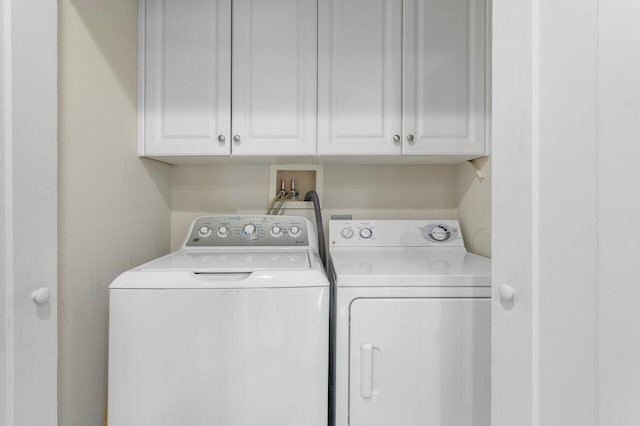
(275, 76)
(359, 76)
(187, 77)
(444, 77)
(420, 361)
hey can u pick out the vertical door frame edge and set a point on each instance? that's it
(141, 75)
(6, 220)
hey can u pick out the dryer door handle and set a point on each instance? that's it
(366, 370)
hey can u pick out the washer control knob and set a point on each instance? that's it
(223, 231)
(294, 231)
(439, 233)
(366, 233)
(347, 232)
(204, 231)
(276, 231)
(250, 231)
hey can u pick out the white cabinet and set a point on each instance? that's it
(186, 77)
(359, 77)
(186, 88)
(274, 77)
(365, 78)
(444, 77)
(402, 77)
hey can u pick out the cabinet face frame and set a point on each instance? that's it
(152, 105)
(275, 86)
(437, 132)
(353, 140)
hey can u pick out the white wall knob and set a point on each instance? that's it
(41, 295)
(506, 292)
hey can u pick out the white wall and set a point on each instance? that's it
(374, 192)
(545, 193)
(4, 341)
(618, 212)
(567, 138)
(114, 208)
(566, 107)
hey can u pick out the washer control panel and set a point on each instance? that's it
(395, 233)
(248, 231)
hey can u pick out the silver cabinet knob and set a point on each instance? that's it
(236, 139)
(221, 138)
(411, 139)
(41, 295)
(396, 139)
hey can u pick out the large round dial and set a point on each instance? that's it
(366, 233)
(440, 233)
(250, 231)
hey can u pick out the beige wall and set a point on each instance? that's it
(375, 192)
(114, 208)
(473, 199)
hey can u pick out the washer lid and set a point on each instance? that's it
(408, 267)
(215, 261)
(227, 269)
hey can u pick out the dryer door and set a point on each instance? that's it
(420, 361)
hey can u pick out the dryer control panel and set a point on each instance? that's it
(395, 233)
(242, 231)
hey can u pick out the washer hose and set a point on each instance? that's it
(313, 196)
(281, 195)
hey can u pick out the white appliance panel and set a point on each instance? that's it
(419, 361)
(223, 357)
(395, 233)
(409, 266)
(345, 296)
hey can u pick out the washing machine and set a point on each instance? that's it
(411, 329)
(230, 330)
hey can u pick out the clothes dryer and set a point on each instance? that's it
(411, 329)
